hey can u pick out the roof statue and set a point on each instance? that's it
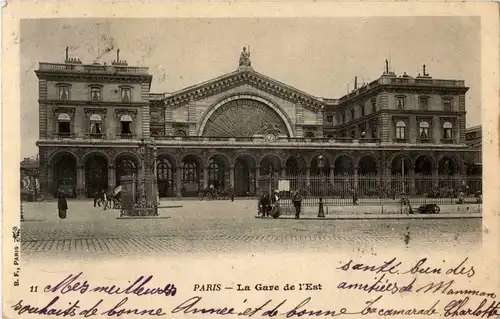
(245, 58)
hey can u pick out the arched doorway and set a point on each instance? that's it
(64, 175)
(344, 175)
(424, 181)
(400, 169)
(367, 176)
(96, 174)
(190, 175)
(126, 165)
(218, 172)
(165, 177)
(270, 169)
(244, 175)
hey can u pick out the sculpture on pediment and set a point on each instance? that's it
(245, 58)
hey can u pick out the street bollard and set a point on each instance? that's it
(321, 212)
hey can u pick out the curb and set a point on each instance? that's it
(368, 217)
(143, 217)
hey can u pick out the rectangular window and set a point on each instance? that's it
(126, 94)
(95, 93)
(353, 114)
(374, 105)
(400, 102)
(423, 103)
(63, 93)
(374, 131)
(447, 104)
(362, 110)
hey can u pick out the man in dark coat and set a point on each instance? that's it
(62, 204)
(297, 203)
(264, 204)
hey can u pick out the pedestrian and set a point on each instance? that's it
(275, 202)
(97, 199)
(231, 194)
(354, 197)
(264, 204)
(297, 203)
(62, 204)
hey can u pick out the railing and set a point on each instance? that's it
(348, 189)
(126, 136)
(92, 68)
(64, 135)
(95, 135)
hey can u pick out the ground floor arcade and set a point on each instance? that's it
(184, 172)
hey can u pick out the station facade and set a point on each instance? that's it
(96, 123)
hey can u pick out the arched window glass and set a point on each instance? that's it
(95, 124)
(180, 133)
(64, 124)
(424, 130)
(400, 130)
(447, 131)
(189, 172)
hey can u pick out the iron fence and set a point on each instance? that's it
(346, 190)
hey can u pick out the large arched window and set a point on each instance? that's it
(64, 124)
(424, 130)
(95, 124)
(400, 130)
(126, 124)
(189, 172)
(447, 131)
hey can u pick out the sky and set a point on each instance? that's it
(320, 56)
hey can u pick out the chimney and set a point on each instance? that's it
(118, 55)
(424, 71)
(386, 66)
(355, 82)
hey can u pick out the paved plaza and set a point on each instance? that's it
(225, 227)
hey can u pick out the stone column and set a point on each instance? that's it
(178, 181)
(205, 176)
(80, 181)
(283, 171)
(332, 175)
(231, 176)
(380, 172)
(111, 177)
(257, 178)
(308, 176)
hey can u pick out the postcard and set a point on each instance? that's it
(286, 160)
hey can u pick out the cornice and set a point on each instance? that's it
(235, 79)
(93, 77)
(89, 103)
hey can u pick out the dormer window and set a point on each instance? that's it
(126, 94)
(95, 124)
(64, 124)
(64, 92)
(423, 103)
(95, 93)
(400, 102)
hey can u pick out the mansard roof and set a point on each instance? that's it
(241, 77)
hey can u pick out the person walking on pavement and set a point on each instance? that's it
(297, 203)
(97, 199)
(62, 204)
(264, 204)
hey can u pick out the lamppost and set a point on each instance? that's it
(143, 152)
(321, 163)
(156, 193)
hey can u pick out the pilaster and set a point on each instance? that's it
(299, 120)
(192, 118)
(168, 121)
(145, 115)
(42, 109)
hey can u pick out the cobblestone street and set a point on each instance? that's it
(225, 227)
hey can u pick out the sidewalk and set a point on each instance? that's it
(360, 216)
